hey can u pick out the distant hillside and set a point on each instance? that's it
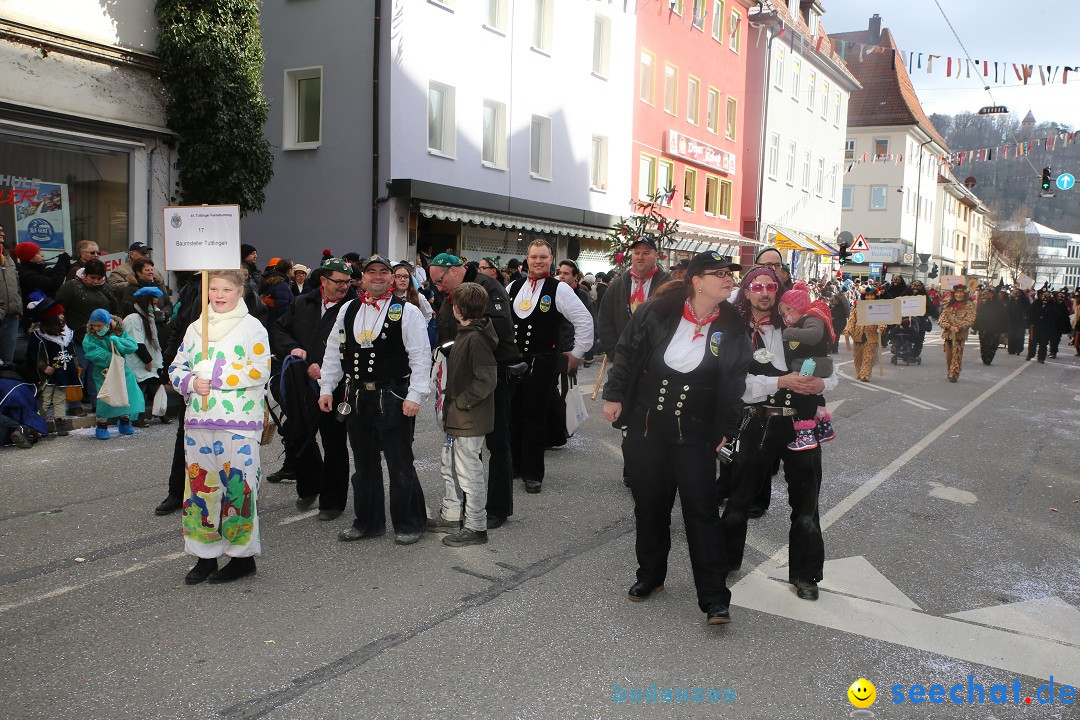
(1010, 187)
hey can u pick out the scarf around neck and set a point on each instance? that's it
(221, 324)
(638, 295)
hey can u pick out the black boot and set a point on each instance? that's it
(236, 569)
(201, 571)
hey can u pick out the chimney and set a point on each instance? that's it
(875, 28)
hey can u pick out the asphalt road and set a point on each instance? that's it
(951, 514)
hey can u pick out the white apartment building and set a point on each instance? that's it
(492, 123)
(804, 124)
(82, 122)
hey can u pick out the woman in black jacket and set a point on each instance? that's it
(675, 385)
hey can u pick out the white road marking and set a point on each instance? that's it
(1061, 364)
(855, 576)
(297, 518)
(1077, 398)
(876, 388)
(944, 492)
(1048, 617)
(99, 578)
(916, 403)
(841, 364)
(832, 406)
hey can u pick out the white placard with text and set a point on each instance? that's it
(202, 237)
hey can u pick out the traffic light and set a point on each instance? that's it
(933, 271)
(844, 254)
(1046, 182)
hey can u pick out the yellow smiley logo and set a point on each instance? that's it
(862, 693)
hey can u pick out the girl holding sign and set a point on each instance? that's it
(221, 438)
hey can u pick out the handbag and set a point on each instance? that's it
(113, 391)
(576, 413)
(161, 403)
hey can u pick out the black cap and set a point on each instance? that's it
(139, 247)
(513, 263)
(709, 260)
(377, 259)
(646, 239)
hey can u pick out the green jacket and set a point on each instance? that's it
(99, 353)
(469, 409)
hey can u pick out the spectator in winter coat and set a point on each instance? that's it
(35, 275)
(275, 291)
(145, 276)
(145, 363)
(125, 274)
(80, 297)
(85, 251)
(11, 304)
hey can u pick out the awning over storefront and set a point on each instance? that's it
(697, 238)
(510, 222)
(819, 247)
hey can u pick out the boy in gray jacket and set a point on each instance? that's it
(468, 415)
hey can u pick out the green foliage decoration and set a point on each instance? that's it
(648, 220)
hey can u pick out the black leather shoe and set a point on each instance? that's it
(641, 590)
(306, 503)
(755, 512)
(806, 589)
(495, 521)
(168, 506)
(328, 515)
(352, 534)
(201, 571)
(532, 486)
(282, 474)
(717, 614)
(236, 569)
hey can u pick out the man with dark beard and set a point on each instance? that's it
(991, 319)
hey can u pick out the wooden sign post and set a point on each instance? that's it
(202, 238)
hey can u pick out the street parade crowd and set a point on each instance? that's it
(716, 376)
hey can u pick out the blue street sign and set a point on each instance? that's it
(859, 258)
(1065, 181)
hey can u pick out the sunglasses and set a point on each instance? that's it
(756, 287)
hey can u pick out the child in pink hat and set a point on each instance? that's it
(809, 336)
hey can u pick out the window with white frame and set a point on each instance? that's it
(601, 51)
(778, 67)
(732, 118)
(712, 111)
(847, 198)
(849, 149)
(735, 32)
(543, 24)
(789, 172)
(442, 126)
(677, 6)
(774, 154)
(699, 13)
(836, 109)
(540, 147)
(811, 90)
(833, 177)
(878, 197)
(671, 89)
(689, 189)
(693, 100)
(493, 151)
(819, 182)
(712, 193)
(806, 162)
(796, 78)
(598, 163)
(646, 177)
(496, 15)
(646, 76)
(724, 206)
(665, 179)
(302, 109)
(826, 93)
(881, 147)
(812, 21)
(718, 21)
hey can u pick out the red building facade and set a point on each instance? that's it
(689, 115)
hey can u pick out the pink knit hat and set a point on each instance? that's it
(797, 297)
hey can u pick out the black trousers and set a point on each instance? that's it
(324, 473)
(659, 468)
(178, 471)
(149, 388)
(988, 345)
(500, 500)
(529, 416)
(1038, 345)
(376, 423)
(802, 471)
(1055, 343)
(1016, 339)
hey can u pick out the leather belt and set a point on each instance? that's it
(770, 411)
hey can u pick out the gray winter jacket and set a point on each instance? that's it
(10, 297)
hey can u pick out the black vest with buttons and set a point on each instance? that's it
(782, 398)
(386, 360)
(678, 406)
(538, 333)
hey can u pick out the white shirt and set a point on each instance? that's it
(684, 353)
(413, 334)
(569, 306)
(425, 307)
(760, 387)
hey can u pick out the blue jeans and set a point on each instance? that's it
(9, 333)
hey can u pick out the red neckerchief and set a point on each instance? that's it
(638, 296)
(532, 282)
(326, 305)
(688, 314)
(759, 325)
(366, 298)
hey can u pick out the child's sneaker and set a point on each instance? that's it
(102, 433)
(804, 436)
(823, 431)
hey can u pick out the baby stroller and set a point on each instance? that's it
(902, 344)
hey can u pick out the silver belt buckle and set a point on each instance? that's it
(369, 386)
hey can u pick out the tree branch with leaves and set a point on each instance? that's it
(647, 221)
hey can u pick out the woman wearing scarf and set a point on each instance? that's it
(675, 385)
(221, 439)
(957, 317)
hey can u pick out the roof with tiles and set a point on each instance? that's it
(828, 47)
(887, 96)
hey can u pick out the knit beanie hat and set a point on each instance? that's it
(25, 251)
(246, 250)
(768, 272)
(101, 315)
(797, 297)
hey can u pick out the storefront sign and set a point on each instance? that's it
(882, 253)
(202, 237)
(700, 153)
(42, 215)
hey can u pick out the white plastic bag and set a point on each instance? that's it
(113, 391)
(161, 402)
(576, 413)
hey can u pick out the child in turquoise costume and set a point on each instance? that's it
(103, 334)
(220, 511)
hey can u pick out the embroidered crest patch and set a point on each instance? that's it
(714, 343)
(545, 303)
(394, 313)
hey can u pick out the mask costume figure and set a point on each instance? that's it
(867, 339)
(957, 317)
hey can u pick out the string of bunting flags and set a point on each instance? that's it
(986, 154)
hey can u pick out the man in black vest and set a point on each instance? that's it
(623, 296)
(447, 272)
(302, 332)
(540, 303)
(771, 388)
(383, 364)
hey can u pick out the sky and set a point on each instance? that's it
(1034, 33)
